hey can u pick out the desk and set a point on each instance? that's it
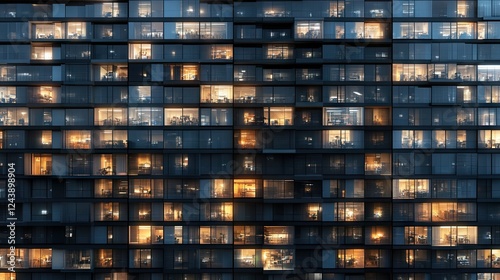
(79, 145)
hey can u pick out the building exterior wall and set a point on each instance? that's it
(179, 139)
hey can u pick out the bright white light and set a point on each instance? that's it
(488, 67)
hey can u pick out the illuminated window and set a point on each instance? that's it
(182, 72)
(223, 52)
(40, 258)
(46, 94)
(104, 258)
(141, 258)
(103, 165)
(108, 164)
(103, 188)
(312, 212)
(187, 30)
(247, 235)
(349, 211)
(343, 139)
(110, 116)
(378, 235)
(278, 189)
(245, 95)
(278, 116)
(221, 188)
(412, 72)
(41, 164)
(346, 188)
(14, 116)
(8, 95)
(47, 138)
(110, 73)
(247, 258)
(216, 235)
(377, 258)
(7, 73)
(247, 139)
(145, 116)
(411, 30)
(142, 8)
(107, 211)
(489, 139)
(337, 8)
(452, 211)
(172, 211)
(77, 259)
(145, 235)
(279, 51)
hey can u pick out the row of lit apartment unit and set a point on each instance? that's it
(84, 139)
(216, 210)
(240, 274)
(402, 163)
(299, 29)
(309, 190)
(346, 235)
(350, 223)
(274, 117)
(194, 74)
(266, 9)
